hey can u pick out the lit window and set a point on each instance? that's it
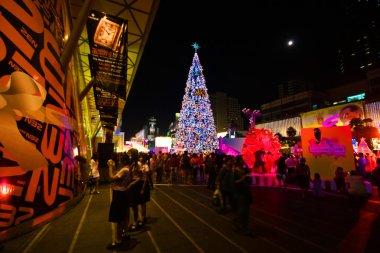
(367, 52)
(353, 54)
(362, 67)
(360, 96)
(358, 40)
(369, 64)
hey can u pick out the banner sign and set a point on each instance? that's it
(37, 114)
(107, 104)
(326, 148)
(339, 115)
(108, 39)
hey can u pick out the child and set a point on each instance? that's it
(317, 185)
(340, 180)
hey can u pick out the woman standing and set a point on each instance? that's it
(121, 184)
(145, 190)
(94, 173)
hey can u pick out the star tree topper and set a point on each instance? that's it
(196, 46)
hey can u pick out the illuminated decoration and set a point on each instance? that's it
(280, 126)
(259, 144)
(373, 112)
(252, 116)
(363, 147)
(376, 143)
(258, 139)
(196, 130)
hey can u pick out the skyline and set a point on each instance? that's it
(246, 56)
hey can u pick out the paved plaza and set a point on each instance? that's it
(182, 218)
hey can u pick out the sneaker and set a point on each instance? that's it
(114, 245)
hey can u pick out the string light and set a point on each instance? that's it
(196, 131)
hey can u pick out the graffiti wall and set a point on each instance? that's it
(37, 113)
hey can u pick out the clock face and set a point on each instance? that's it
(106, 33)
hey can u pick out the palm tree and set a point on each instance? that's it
(291, 132)
(356, 122)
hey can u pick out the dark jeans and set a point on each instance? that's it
(231, 200)
(211, 180)
(243, 216)
(159, 172)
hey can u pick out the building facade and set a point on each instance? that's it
(227, 112)
(359, 49)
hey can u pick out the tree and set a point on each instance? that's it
(356, 122)
(292, 139)
(196, 131)
(361, 128)
(291, 132)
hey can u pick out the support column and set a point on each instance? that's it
(72, 42)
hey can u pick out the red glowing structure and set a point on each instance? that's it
(261, 147)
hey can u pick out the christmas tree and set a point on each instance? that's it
(196, 128)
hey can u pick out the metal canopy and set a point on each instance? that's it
(140, 15)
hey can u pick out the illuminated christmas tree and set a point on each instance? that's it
(196, 128)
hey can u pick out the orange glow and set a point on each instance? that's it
(6, 189)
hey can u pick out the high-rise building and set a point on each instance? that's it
(227, 112)
(359, 49)
(293, 87)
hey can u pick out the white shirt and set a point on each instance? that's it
(94, 168)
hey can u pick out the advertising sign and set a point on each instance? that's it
(107, 37)
(37, 114)
(326, 148)
(339, 115)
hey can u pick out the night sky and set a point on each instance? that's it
(243, 52)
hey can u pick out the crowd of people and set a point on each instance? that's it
(132, 176)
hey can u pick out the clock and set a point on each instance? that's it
(107, 33)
